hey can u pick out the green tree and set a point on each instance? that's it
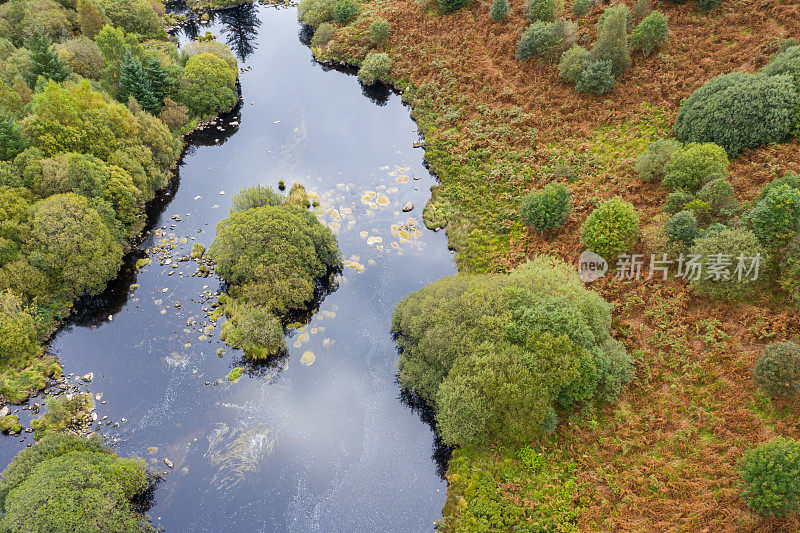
(90, 18)
(158, 78)
(681, 228)
(18, 332)
(134, 83)
(43, 62)
(611, 229)
(499, 10)
(546, 209)
(694, 166)
(771, 477)
(252, 197)
(612, 43)
(379, 31)
(596, 78)
(775, 219)
(209, 85)
(541, 10)
(651, 163)
(650, 33)
(11, 140)
(375, 68)
(548, 39)
(345, 10)
(573, 62)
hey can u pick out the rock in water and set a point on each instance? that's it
(88, 377)
(4, 411)
(408, 207)
(168, 463)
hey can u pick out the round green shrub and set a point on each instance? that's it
(548, 39)
(692, 167)
(792, 180)
(771, 477)
(651, 163)
(739, 111)
(681, 228)
(581, 7)
(315, 12)
(345, 10)
(775, 219)
(541, 10)
(607, 12)
(786, 62)
(650, 33)
(611, 229)
(499, 10)
(731, 243)
(677, 201)
(777, 371)
(323, 34)
(573, 62)
(597, 78)
(546, 209)
(18, 332)
(612, 41)
(255, 330)
(378, 31)
(208, 86)
(719, 195)
(375, 68)
(252, 197)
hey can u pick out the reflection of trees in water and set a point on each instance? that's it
(441, 452)
(305, 34)
(241, 29)
(378, 93)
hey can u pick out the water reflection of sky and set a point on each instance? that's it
(326, 446)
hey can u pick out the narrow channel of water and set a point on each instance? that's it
(327, 446)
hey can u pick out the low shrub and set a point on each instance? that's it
(775, 219)
(771, 477)
(581, 7)
(707, 5)
(650, 33)
(252, 197)
(777, 371)
(548, 39)
(315, 12)
(375, 68)
(546, 209)
(730, 243)
(323, 34)
(611, 229)
(499, 10)
(597, 78)
(542, 10)
(345, 10)
(573, 62)
(379, 31)
(449, 6)
(719, 195)
(790, 273)
(612, 40)
(786, 62)
(255, 330)
(682, 228)
(651, 163)
(694, 166)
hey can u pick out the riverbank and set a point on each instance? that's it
(666, 454)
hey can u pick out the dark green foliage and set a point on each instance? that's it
(541, 10)
(786, 62)
(546, 209)
(11, 141)
(253, 197)
(650, 33)
(739, 111)
(775, 219)
(719, 195)
(677, 201)
(548, 39)
(495, 354)
(573, 63)
(777, 371)
(255, 330)
(378, 31)
(611, 229)
(345, 10)
(581, 7)
(612, 43)
(694, 166)
(158, 78)
(597, 78)
(681, 228)
(499, 10)
(209, 85)
(323, 34)
(375, 68)
(448, 6)
(731, 242)
(707, 5)
(651, 163)
(792, 180)
(43, 61)
(771, 477)
(134, 83)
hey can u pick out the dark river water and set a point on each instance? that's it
(311, 442)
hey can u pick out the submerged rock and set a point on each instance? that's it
(408, 207)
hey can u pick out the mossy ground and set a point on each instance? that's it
(665, 455)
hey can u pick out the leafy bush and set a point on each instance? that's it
(11, 141)
(692, 167)
(252, 197)
(82, 56)
(255, 330)
(323, 34)
(541, 10)
(771, 477)
(611, 229)
(650, 33)
(546, 209)
(496, 354)
(730, 243)
(682, 228)
(375, 68)
(609, 11)
(641, 9)
(379, 31)
(792, 180)
(786, 62)
(777, 371)
(775, 219)
(707, 5)
(790, 273)
(90, 18)
(573, 63)
(449, 6)
(651, 163)
(43, 61)
(18, 332)
(499, 10)
(345, 10)
(548, 39)
(315, 12)
(597, 78)
(209, 85)
(581, 7)
(133, 16)
(719, 195)
(739, 111)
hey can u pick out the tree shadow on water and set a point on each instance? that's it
(441, 452)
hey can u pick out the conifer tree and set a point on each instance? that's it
(157, 77)
(499, 10)
(44, 62)
(612, 43)
(11, 141)
(133, 82)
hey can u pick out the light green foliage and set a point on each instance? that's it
(252, 197)
(323, 34)
(18, 331)
(195, 48)
(612, 43)
(792, 180)
(681, 228)
(541, 10)
(611, 229)
(548, 39)
(731, 242)
(379, 31)
(597, 78)
(650, 33)
(62, 414)
(573, 62)
(651, 163)
(771, 477)
(677, 201)
(11, 141)
(315, 12)
(209, 85)
(43, 61)
(694, 166)
(83, 57)
(719, 195)
(495, 354)
(235, 374)
(499, 10)
(775, 219)
(255, 330)
(10, 424)
(739, 111)
(607, 12)
(345, 10)
(133, 16)
(581, 7)
(375, 68)
(546, 209)
(777, 371)
(72, 484)
(91, 18)
(198, 250)
(70, 241)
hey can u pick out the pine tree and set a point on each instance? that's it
(90, 18)
(11, 141)
(133, 82)
(44, 62)
(157, 77)
(612, 43)
(499, 10)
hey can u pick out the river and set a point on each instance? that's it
(327, 446)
